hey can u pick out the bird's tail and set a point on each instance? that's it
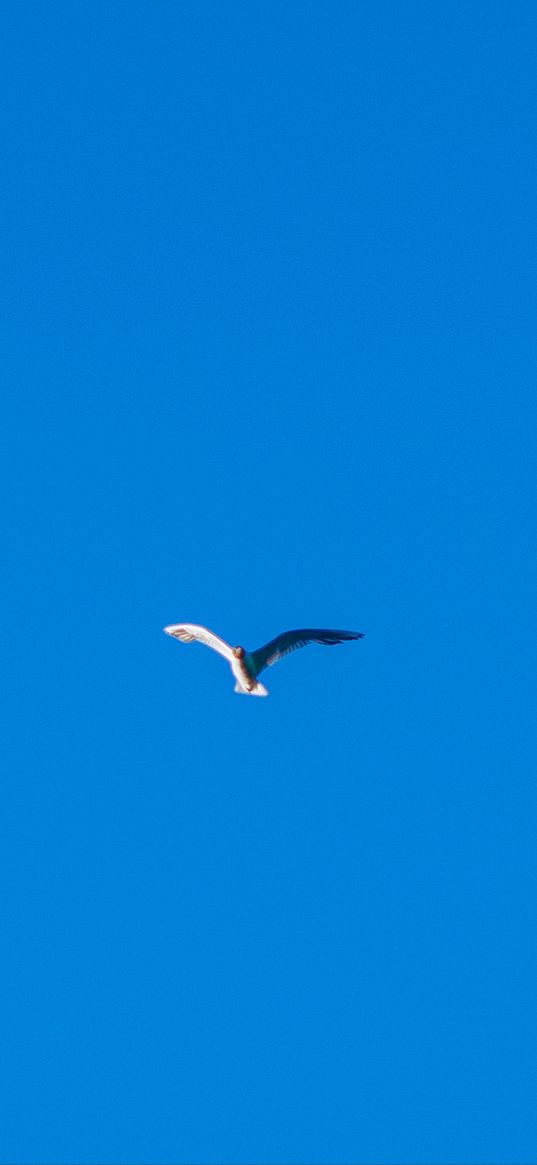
(258, 690)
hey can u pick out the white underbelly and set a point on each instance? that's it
(245, 683)
(240, 675)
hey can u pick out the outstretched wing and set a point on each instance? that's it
(188, 632)
(290, 640)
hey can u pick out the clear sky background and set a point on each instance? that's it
(269, 361)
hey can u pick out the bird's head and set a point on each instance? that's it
(238, 652)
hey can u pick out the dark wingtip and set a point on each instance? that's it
(333, 637)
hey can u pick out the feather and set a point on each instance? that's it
(289, 641)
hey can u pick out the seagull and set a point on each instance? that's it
(248, 665)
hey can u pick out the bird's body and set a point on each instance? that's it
(247, 666)
(247, 683)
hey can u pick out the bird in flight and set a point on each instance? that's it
(248, 665)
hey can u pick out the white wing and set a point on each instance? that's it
(187, 632)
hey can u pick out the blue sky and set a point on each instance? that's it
(269, 356)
